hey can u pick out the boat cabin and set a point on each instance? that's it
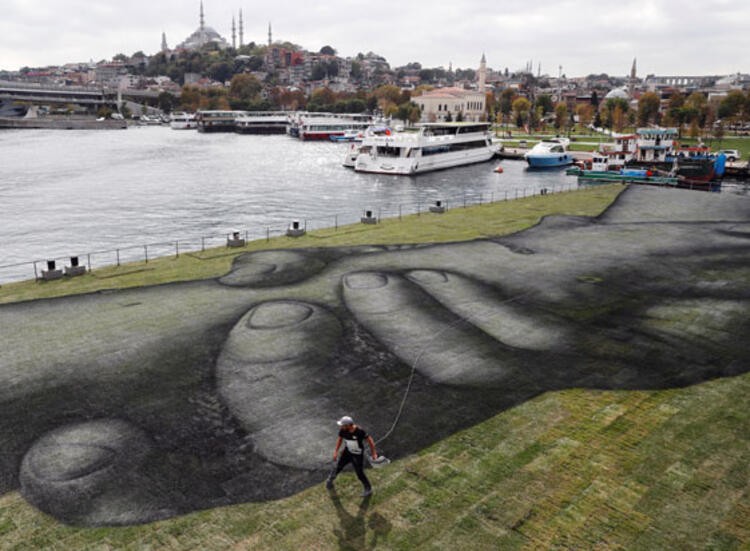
(655, 144)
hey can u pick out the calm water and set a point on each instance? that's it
(68, 193)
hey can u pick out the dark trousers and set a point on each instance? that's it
(358, 462)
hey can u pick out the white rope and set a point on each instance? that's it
(419, 356)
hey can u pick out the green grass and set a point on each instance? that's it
(457, 224)
(576, 469)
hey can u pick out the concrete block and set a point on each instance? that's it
(72, 271)
(49, 275)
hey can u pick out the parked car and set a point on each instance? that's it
(731, 154)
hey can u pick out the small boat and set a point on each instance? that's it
(499, 169)
(348, 136)
(550, 153)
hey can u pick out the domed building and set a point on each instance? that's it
(203, 36)
(620, 93)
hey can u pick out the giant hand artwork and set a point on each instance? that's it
(124, 407)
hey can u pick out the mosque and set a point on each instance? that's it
(205, 35)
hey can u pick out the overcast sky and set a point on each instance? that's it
(583, 36)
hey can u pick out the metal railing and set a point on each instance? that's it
(147, 252)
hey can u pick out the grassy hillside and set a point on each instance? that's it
(576, 469)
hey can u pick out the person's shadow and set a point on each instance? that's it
(352, 533)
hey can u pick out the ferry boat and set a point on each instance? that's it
(549, 154)
(426, 147)
(182, 121)
(216, 121)
(326, 126)
(262, 122)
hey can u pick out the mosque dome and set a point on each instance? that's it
(615, 93)
(202, 36)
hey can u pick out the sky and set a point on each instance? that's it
(667, 37)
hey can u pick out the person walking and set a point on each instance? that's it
(353, 437)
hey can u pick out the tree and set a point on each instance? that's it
(327, 50)
(387, 94)
(618, 118)
(166, 101)
(696, 106)
(732, 106)
(427, 75)
(408, 112)
(321, 99)
(505, 103)
(356, 70)
(521, 109)
(244, 89)
(585, 112)
(545, 102)
(648, 108)
(190, 98)
(122, 58)
(561, 115)
(595, 99)
(220, 71)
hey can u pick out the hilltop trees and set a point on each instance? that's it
(244, 90)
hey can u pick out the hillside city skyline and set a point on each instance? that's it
(652, 34)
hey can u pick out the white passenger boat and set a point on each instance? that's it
(182, 121)
(327, 126)
(549, 154)
(429, 146)
(262, 122)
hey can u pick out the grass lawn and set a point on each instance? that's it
(576, 469)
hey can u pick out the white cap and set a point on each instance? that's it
(345, 420)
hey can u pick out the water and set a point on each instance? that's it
(66, 193)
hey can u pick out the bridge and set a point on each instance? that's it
(81, 95)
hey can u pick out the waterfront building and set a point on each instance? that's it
(203, 36)
(453, 103)
(446, 104)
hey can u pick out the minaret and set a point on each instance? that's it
(269, 34)
(203, 21)
(482, 74)
(242, 31)
(164, 47)
(631, 83)
(234, 34)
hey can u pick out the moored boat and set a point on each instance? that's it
(426, 147)
(262, 122)
(182, 121)
(550, 153)
(216, 121)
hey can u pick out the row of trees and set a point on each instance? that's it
(245, 92)
(693, 112)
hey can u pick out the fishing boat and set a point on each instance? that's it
(550, 153)
(426, 147)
